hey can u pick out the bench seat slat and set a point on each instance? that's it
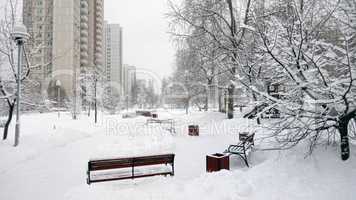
(130, 177)
(153, 162)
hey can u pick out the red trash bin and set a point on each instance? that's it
(193, 130)
(217, 162)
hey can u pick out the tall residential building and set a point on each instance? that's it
(38, 18)
(69, 38)
(113, 56)
(129, 82)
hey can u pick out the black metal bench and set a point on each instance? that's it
(246, 142)
(129, 163)
(169, 122)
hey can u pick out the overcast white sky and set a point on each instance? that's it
(146, 41)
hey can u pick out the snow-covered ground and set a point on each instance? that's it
(51, 162)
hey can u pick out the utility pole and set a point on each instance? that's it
(20, 36)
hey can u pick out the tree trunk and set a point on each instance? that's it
(206, 103)
(220, 101)
(230, 106)
(235, 44)
(89, 109)
(225, 102)
(344, 138)
(9, 118)
(187, 106)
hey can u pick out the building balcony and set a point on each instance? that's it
(84, 46)
(84, 26)
(84, 9)
(99, 25)
(84, 40)
(99, 37)
(84, 33)
(99, 3)
(99, 30)
(84, 43)
(99, 15)
(84, 12)
(84, 50)
(84, 19)
(99, 44)
(99, 21)
(84, 55)
(84, 3)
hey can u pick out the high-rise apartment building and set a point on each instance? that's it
(38, 18)
(113, 56)
(129, 82)
(69, 37)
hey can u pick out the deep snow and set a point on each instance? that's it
(51, 162)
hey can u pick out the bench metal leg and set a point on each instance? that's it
(246, 162)
(244, 158)
(172, 169)
(133, 168)
(88, 174)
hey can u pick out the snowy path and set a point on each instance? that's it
(52, 163)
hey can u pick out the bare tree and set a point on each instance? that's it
(7, 49)
(220, 24)
(306, 48)
(9, 76)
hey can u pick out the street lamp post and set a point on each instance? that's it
(20, 36)
(95, 100)
(58, 85)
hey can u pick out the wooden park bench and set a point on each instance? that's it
(144, 113)
(105, 169)
(246, 142)
(169, 122)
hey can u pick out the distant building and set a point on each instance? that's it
(113, 56)
(129, 82)
(70, 36)
(38, 18)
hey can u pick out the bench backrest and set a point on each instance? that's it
(153, 160)
(107, 164)
(246, 137)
